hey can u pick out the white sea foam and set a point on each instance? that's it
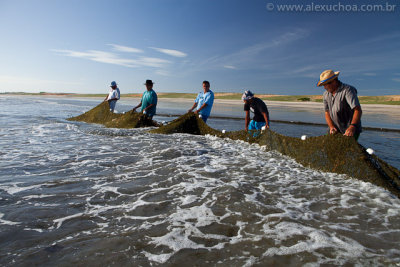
(13, 188)
(33, 229)
(7, 222)
(60, 221)
(181, 193)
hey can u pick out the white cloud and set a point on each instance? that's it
(283, 39)
(369, 74)
(396, 79)
(230, 67)
(249, 56)
(127, 49)
(98, 56)
(170, 52)
(152, 62)
(308, 71)
(162, 72)
(111, 58)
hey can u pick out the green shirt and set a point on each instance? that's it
(148, 98)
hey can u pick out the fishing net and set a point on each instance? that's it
(329, 153)
(187, 123)
(101, 114)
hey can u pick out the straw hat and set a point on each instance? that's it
(327, 76)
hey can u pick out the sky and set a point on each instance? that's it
(80, 46)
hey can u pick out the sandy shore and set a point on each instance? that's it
(391, 110)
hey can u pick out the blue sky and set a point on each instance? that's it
(81, 46)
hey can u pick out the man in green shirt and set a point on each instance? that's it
(149, 100)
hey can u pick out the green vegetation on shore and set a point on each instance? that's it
(385, 100)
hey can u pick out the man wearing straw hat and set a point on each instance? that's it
(342, 107)
(148, 103)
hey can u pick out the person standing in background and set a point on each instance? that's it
(113, 96)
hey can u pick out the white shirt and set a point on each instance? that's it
(113, 94)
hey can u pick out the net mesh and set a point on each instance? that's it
(101, 114)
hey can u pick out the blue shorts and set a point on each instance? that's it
(255, 125)
(204, 117)
(112, 104)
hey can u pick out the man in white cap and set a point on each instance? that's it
(113, 96)
(342, 107)
(260, 110)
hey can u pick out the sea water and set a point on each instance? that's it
(77, 193)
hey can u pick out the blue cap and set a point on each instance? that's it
(113, 83)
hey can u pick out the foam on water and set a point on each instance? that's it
(7, 222)
(13, 188)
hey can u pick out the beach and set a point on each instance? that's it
(94, 172)
(392, 111)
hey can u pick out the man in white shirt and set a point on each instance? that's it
(113, 96)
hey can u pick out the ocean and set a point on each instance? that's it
(77, 193)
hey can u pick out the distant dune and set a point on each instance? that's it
(385, 99)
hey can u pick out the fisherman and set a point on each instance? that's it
(260, 110)
(113, 96)
(148, 102)
(204, 102)
(342, 107)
